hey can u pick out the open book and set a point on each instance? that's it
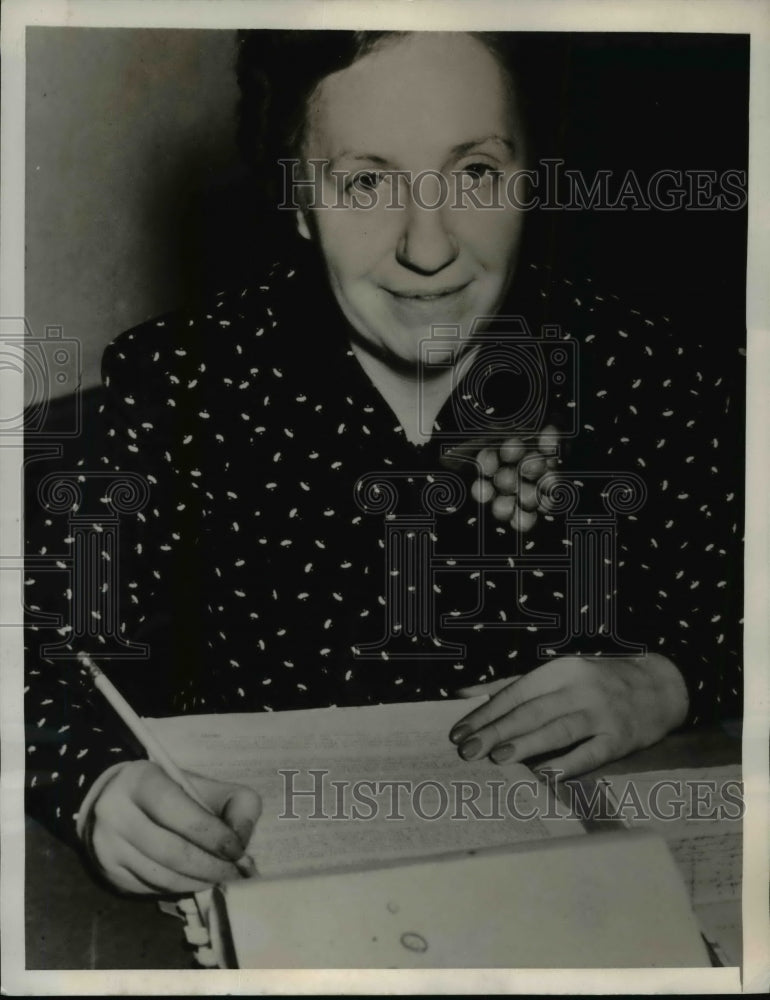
(350, 760)
(705, 839)
(379, 846)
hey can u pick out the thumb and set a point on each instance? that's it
(241, 812)
(237, 805)
(474, 690)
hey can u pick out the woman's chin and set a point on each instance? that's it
(405, 341)
(422, 349)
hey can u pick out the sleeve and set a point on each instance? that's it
(666, 406)
(101, 577)
(696, 505)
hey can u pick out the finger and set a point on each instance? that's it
(238, 805)
(174, 851)
(119, 862)
(167, 805)
(561, 732)
(548, 677)
(122, 880)
(501, 701)
(490, 687)
(527, 718)
(587, 757)
(157, 877)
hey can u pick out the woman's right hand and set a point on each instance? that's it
(148, 836)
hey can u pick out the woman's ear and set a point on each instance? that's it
(302, 227)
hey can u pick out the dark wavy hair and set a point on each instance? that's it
(278, 71)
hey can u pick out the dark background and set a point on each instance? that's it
(138, 202)
(614, 102)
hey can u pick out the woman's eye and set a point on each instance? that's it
(478, 171)
(366, 180)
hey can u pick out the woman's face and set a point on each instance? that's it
(426, 102)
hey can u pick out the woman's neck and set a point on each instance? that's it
(416, 403)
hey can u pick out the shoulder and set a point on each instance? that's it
(192, 347)
(638, 341)
(592, 311)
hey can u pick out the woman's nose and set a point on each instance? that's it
(426, 245)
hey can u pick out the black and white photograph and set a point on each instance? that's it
(384, 552)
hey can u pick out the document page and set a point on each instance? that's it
(699, 813)
(554, 904)
(350, 787)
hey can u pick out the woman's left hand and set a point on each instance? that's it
(614, 705)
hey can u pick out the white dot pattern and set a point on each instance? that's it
(255, 576)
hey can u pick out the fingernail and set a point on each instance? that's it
(470, 748)
(458, 734)
(231, 849)
(503, 752)
(244, 830)
(247, 866)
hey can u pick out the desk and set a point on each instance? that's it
(74, 923)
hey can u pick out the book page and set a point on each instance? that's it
(698, 812)
(350, 787)
(700, 818)
(558, 903)
(722, 927)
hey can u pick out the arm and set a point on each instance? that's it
(667, 412)
(84, 780)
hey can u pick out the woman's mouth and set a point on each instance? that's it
(431, 295)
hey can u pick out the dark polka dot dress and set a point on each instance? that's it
(279, 560)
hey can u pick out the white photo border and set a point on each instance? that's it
(739, 16)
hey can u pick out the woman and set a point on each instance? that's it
(267, 424)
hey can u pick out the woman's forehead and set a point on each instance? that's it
(427, 94)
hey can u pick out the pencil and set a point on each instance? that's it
(154, 748)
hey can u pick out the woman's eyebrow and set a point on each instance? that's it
(348, 154)
(466, 147)
(458, 150)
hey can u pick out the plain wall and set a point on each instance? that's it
(128, 130)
